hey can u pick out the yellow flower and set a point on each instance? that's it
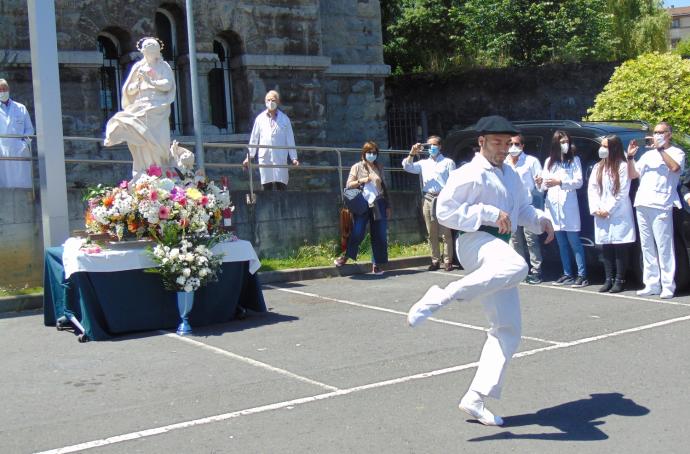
(193, 193)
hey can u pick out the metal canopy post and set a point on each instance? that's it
(48, 110)
(196, 110)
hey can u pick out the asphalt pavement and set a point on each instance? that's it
(333, 368)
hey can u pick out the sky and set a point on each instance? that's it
(676, 3)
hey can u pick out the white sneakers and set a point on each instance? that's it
(434, 299)
(647, 291)
(665, 294)
(473, 404)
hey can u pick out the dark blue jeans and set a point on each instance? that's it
(569, 244)
(378, 230)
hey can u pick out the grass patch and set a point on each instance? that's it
(13, 291)
(310, 256)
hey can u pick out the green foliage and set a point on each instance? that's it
(653, 87)
(440, 35)
(683, 48)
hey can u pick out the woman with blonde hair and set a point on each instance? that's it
(367, 175)
(609, 203)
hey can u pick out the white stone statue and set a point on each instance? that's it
(144, 121)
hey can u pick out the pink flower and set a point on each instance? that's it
(168, 174)
(184, 223)
(154, 195)
(164, 212)
(124, 184)
(154, 171)
(204, 200)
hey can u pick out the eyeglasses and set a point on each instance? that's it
(516, 143)
(660, 132)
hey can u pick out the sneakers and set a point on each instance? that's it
(433, 300)
(647, 292)
(376, 270)
(434, 266)
(580, 282)
(564, 280)
(666, 294)
(473, 404)
(533, 279)
(340, 261)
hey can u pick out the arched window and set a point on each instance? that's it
(166, 31)
(111, 75)
(220, 89)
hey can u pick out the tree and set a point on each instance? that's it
(653, 87)
(639, 26)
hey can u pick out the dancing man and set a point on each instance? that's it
(485, 201)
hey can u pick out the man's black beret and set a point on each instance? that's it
(495, 124)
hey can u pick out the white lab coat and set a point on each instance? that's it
(280, 134)
(619, 227)
(528, 168)
(15, 119)
(561, 205)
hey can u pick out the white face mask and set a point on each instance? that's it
(603, 152)
(4, 96)
(564, 148)
(514, 150)
(371, 157)
(660, 140)
(271, 105)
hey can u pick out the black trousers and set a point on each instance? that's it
(274, 186)
(615, 258)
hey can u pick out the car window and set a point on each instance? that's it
(464, 151)
(533, 146)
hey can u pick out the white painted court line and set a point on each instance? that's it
(393, 311)
(341, 392)
(248, 360)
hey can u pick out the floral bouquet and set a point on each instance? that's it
(145, 206)
(185, 263)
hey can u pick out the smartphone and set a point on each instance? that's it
(649, 142)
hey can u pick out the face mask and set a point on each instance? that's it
(371, 157)
(660, 140)
(603, 152)
(271, 105)
(564, 148)
(434, 150)
(4, 96)
(514, 150)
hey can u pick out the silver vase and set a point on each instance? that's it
(185, 301)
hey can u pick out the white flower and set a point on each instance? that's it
(186, 272)
(181, 280)
(189, 257)
(174, 253)
(188, 288)
(203, 272)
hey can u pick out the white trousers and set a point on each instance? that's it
(494, 271)
(656, 242)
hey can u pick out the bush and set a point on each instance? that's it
(683, 48)
(652, 87)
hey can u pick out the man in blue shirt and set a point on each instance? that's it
(435, 170)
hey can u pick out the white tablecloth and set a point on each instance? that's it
(74, 260)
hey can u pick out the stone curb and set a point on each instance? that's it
(35, 300)
(20, 303)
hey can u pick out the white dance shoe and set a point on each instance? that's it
(647, 292)
(473, 404)
(666, 295)
(433, 300)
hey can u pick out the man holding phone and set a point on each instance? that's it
(659, 170)
(435, 171)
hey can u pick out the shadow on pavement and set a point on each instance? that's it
(577, 420)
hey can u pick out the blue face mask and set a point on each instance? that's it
(434, 150)
(371, 157)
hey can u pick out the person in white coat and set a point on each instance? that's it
(561, 178)
(435, 170)
(14, 119)
(272, 127)
(659, 171)
(529, 168)
(609, 202)
(485, 202)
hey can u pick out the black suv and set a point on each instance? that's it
(460, 145)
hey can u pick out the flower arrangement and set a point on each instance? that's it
(142, 208)
(184, 213)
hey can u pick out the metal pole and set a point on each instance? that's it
(51, 149)
(196, 111)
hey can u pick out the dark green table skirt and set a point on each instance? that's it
(121, 302)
